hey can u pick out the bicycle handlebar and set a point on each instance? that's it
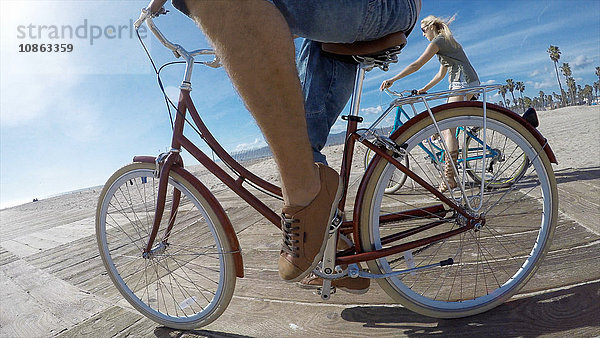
(413, 92)
(147, 15)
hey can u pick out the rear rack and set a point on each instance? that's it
(408, 97)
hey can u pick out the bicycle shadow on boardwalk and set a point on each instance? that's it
(573, 175)
(165, 332)
(549, 313)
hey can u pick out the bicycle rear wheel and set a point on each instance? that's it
(188, 279)
(491, 263)
(505, 162)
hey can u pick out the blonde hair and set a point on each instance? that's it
(440, 27)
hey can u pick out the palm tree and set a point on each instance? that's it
(587, 93)
(510, 85)
(520, 86)
(527, 101)
(550, 101)
(572, 88)
(597, 85)
(598, 73)
(542, 98)
(502, 91)
(566, 70)
(554, 53)
(559, 98)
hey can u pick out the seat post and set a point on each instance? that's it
(356, 94)
(353, 120)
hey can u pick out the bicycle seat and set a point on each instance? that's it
(379, 53)
(373, 48)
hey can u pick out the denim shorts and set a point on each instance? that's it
(462, 84)
(327, 83)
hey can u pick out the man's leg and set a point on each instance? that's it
(256, 47)
(255, 44)
(327, 85)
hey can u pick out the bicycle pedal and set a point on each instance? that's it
(319, 292)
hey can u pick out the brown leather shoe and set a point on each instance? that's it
(305, 228)
(358, 285)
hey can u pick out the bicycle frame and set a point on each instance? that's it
(179, 141)
(172, 161)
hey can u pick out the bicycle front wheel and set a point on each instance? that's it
(492, 261)
(188, 278)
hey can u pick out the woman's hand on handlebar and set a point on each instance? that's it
(386, 84)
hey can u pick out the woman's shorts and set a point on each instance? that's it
(462, 84)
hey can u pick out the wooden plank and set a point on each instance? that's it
(109, 323)
(21, 315)
(62, 300)
(6, 256)
(581, 202)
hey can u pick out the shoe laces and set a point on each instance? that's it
(289, 236)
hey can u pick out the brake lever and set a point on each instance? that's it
(161, 11)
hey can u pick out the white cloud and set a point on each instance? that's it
(372, 110)
(581, 61)
(548, 83)
(258, 143)
(173, 93)
(535, 73)
(52, 79)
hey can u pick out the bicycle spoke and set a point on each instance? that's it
(180, 280)
(490, 259)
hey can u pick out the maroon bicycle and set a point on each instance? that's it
(172, 252)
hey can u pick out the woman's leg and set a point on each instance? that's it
(449, 138)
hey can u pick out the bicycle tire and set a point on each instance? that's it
(189, 280)
(498, 172)
(398, 178)
(491, 263)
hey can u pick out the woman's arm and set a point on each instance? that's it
(429, 52)
(436, 79)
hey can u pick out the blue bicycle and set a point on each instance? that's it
(498, 172)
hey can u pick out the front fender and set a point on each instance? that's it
(215, 205)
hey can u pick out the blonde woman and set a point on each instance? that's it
(454, 61)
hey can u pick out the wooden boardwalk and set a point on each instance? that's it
(53, 282)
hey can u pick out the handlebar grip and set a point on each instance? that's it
(145, 14)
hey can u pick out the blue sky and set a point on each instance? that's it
(68, 120)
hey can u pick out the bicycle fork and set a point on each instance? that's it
(164, 163)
